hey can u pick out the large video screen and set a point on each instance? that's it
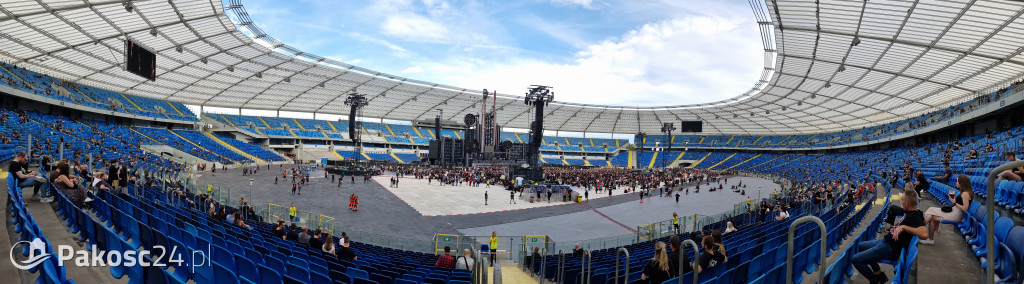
(691, 126)
(139, 60)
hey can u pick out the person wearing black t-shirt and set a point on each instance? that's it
(23, 176)
(293, 233)
(673, 257)
(279, 230)
(657, 270)
(888, 248)
(921, 184)
(710, 258)
(345, 252)
(315, 241)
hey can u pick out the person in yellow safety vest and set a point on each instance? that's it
(494, 247)
(291, 213)
(748, 203)
(675, 221)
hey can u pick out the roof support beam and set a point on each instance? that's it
(904, 42)
(65, 8)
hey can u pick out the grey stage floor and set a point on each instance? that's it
(381, 212)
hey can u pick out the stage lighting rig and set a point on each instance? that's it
(537, 94)
(355, 101)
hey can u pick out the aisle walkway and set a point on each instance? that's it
(810, 278)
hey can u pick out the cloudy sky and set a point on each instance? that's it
(617, 52)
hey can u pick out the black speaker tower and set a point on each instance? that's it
(538, 97)
(355, 101)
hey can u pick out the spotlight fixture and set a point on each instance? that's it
(539, 94)
(259, 75)
(231, 68)
(152, 32)
(842, 68)
(287, 79)
(203, 60)
(856, 41)
(178, 49)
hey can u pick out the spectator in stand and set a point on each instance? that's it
(577, 251)
(657, 270)
(710, 257)
(946, 174)
(238, 221)
(920, 184)
(112, 173)
(673, 257)
(279, 230)
(1012, 174)
(346, 252)
(716, 235)
(222, 214)
(68, 184)
(465, 261)
(445, 261)
(782, 214)
(961, 203)
(729, 228)
(971, 155)
(304, 235)
(100, 182)
(26, 178)
(314, 240)
(328, 246)
(230, 218)
(293, 233)
(889, 247)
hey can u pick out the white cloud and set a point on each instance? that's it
(582, 3)
(414, 69)
(413, 27)
(679, 61)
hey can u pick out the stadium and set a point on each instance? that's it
(181, 141)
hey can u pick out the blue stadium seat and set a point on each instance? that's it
(224, 274)
(269, 275)
(298, 272)
(357, 273)
(246, 268)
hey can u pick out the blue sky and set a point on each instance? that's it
(618, 52)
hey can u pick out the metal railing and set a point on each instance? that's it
(617, 253)
(586, 266)
(824, 247)
(682, 259)
(990, 192)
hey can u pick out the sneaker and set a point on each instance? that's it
(35, 197)
(927, 242)
(882, 278)
(87, 200)
(39, 178)
(46, 199)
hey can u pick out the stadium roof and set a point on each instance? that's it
(830, 65)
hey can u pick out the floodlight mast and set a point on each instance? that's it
(537, 96)
(355, 101)
(667, 128)
(642, 137)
